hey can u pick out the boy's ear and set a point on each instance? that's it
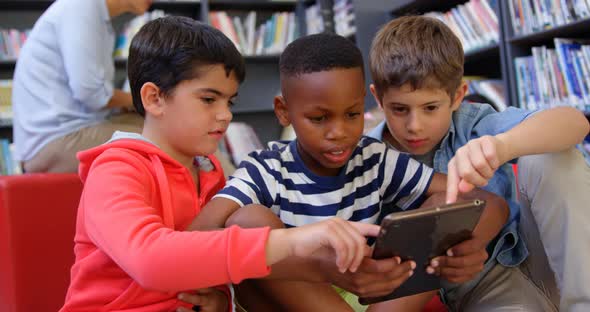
(281, 110)
(459, 95)
(151, 99)
(375, 96)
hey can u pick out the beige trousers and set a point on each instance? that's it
(554, 193)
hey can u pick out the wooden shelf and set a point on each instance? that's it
(262, 59)
(266, 5)
(25, 4)
(176, 5)
(5, 123)
(403, 7)
(575, 29)
(482, 53)
(7, 64)
(120, 62)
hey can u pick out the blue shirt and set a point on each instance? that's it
(375, 174)
(64, 74)
(471, 121)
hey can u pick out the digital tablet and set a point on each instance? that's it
(421, 235)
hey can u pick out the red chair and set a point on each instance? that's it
(37, 224)
(435, 305)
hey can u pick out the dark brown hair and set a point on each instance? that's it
(172, 49)
(416, 50)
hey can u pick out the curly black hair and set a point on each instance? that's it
(319, 52)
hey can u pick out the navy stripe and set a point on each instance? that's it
(398, 174)
(236, 193)
(264, 196)
(325, 210)
(312, 188)
(366, 213)
(407, 189)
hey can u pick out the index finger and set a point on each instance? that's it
(366, 229)
(452, 182)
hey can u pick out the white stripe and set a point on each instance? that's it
(239, 202)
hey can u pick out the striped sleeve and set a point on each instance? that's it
(405, 180)
(252, 183)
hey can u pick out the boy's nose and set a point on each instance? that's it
(336, 131)
(224, 115)
(414, 123)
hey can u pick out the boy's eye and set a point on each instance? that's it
(399, 109)
(431, 108)
(353, 115)
(231, 103)
(317, 118)
(208, 100)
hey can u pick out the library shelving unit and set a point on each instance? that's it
(495, 61)
(488, 61)
(255, 100)
(517, 45)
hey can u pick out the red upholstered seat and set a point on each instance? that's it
(37, 224)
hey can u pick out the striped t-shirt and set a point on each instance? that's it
(374, 174)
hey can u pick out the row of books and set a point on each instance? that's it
(8, 165)
(475, 23)
(343, 15)
(240, 139)
(130, 29)
(553, 77)
(314, 21)
(344, 18)
(269, 38)
(491, 89)
(530, 16)
(11, 41)
(5, 102)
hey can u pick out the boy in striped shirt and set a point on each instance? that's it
(331, 169)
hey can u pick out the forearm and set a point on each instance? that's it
(296, 268)
(548, 131)
(120, 99)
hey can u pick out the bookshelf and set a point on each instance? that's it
(494, 61)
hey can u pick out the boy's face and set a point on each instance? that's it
(194, 117)
(417, 119)
(326, 110)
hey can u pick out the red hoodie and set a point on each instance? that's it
(131, 251)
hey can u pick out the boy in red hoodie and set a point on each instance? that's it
(142, 191)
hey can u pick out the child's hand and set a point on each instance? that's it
(373, 278)
(473, 165)
(207, 299)
(462, 262)
(343, 239)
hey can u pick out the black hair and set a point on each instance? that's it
(319, 52)
(169, 50)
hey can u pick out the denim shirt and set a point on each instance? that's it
(471, 121)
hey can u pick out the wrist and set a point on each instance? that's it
(278, 246)
(504, 149)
